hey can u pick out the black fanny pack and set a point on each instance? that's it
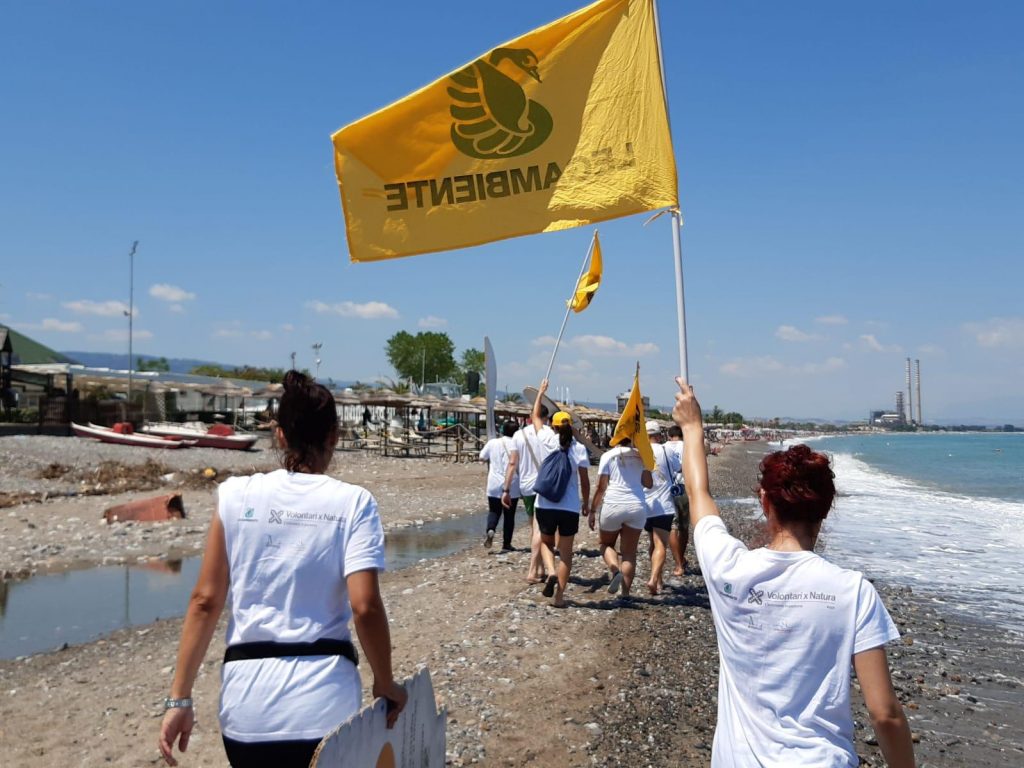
(272, 650)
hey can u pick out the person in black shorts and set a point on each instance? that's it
(660, 510)
(561, 516)
(680, 535)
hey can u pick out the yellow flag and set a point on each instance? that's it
(633, 426)
(562, 127)
(588, 283)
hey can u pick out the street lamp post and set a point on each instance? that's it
(316, 351)
(131, 313)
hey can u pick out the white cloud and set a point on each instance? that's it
(371, 310)
(543, 341)
(792, 333)
(606, 345)
(176, 308)
(747, 367)
(831, 320)
(432, 322)
(261, 335)
(1007, 332)
(53, 324)
(830, 365)
(172, 293)
(753, 367)
(931, 349)
(227, 333)
(287, 327)
(32, 295)
(119, 334)
(871, 342)
(110, 308)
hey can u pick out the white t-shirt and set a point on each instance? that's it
(623, 467)
(292, 539)
(497, 451)
(547, 443)
(788, 625)
(527, 470)
(666, 466)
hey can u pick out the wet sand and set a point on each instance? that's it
(598, 683)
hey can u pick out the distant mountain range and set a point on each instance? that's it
(120, 361)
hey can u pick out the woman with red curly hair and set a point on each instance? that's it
(789, 623)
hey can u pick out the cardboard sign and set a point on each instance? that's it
(364, 741)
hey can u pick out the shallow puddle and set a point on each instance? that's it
(44, 612)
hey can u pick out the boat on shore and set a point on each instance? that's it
(108, 435)
(218, 436)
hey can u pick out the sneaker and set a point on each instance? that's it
(616, 582)
(489, 540)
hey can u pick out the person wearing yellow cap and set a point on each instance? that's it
(559, 515)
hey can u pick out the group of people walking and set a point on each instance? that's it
(627, 501)
(298, 553)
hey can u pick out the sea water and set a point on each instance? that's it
(940, 512)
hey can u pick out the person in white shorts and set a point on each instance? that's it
(621, 481)
(298, 554)
(789, 623)
(660, 509)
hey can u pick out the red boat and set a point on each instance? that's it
(218, 436)
(108, 435)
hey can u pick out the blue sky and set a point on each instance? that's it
(851, 178)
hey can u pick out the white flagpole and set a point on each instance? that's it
(568, 308)
(677, 223)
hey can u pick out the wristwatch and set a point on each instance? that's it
(185, 703)
(505, 490)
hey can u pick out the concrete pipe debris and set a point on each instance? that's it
(157, 509)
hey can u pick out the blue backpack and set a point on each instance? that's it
(554, 475)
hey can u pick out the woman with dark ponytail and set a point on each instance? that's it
(299, 554)
(561, 515)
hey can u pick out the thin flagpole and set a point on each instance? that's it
(568, 307)
(677, 220)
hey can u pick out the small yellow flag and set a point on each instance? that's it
(562, 127)
(633, 426)
(589, 283)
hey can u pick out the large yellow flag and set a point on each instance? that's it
(564, 126)
(590, 281)
(633, 426)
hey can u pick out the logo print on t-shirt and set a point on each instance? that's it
(275, 516)
(728, 588)
(755, 596)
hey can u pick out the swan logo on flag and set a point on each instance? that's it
(492, 116)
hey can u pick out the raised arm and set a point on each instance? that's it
(686, 413)
(535, 417)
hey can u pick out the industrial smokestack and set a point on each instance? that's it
(917, 363)
(910, 397)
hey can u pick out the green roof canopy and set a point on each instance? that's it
(25, 351)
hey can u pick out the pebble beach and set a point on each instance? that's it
(600, 683)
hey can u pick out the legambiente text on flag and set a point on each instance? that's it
(589, 281)
(562, 127)
(633, 426)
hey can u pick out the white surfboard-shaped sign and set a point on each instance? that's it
(492, 387)
(364, 741)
